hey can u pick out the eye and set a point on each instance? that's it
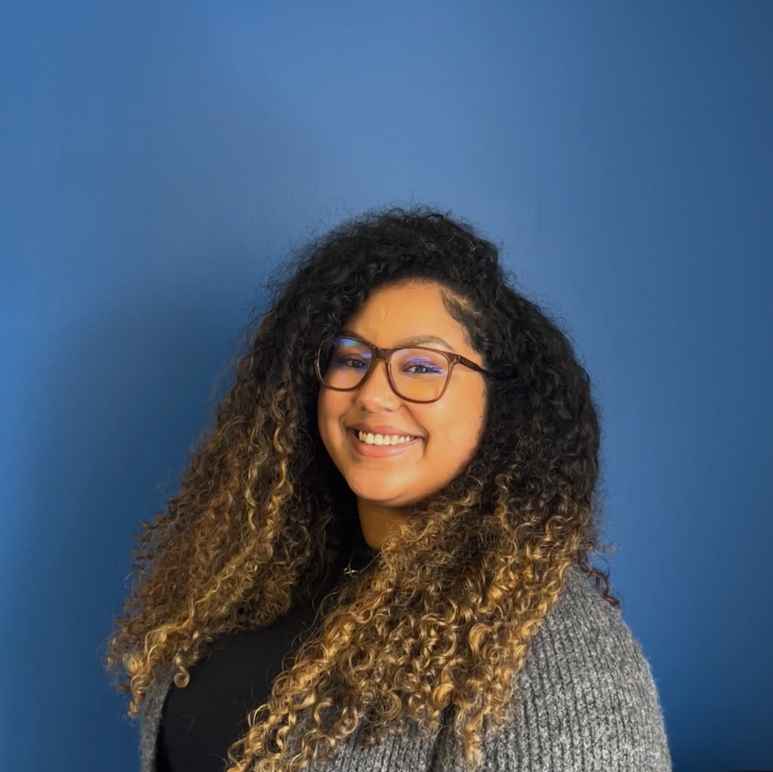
(343, 361)
(427, 368)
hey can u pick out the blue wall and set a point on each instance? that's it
(157, 160)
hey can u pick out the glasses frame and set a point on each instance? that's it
(386, 355)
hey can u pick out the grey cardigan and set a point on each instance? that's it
(589, 702)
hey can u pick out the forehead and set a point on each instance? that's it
(402, 314)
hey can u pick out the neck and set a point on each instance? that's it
(378, 521)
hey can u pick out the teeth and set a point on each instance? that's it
(381, 439)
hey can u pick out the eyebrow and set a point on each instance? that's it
(414, 340)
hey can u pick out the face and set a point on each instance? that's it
(449, 429)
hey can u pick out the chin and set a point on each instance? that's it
(376, 495)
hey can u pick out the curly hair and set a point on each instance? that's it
(438, 624)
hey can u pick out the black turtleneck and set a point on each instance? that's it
(199, 722)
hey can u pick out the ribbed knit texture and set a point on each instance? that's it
(584, 700)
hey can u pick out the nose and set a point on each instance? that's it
(376, 386)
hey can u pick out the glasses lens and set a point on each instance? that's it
(417, 373)
(343, 362)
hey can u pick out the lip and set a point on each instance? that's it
(381, 429)
(378, 451)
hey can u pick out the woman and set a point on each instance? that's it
(372, 569)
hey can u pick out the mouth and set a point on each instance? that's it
(379, 451)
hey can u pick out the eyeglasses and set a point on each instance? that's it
(417, 374)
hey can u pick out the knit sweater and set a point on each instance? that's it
(585, 701)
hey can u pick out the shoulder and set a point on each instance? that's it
(587, 691)
(151, 709)
(584, 634)
(585, 698)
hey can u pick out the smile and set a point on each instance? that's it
(379, 451)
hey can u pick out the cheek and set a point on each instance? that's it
(324, 418)
(458, 425)
(331, 408)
